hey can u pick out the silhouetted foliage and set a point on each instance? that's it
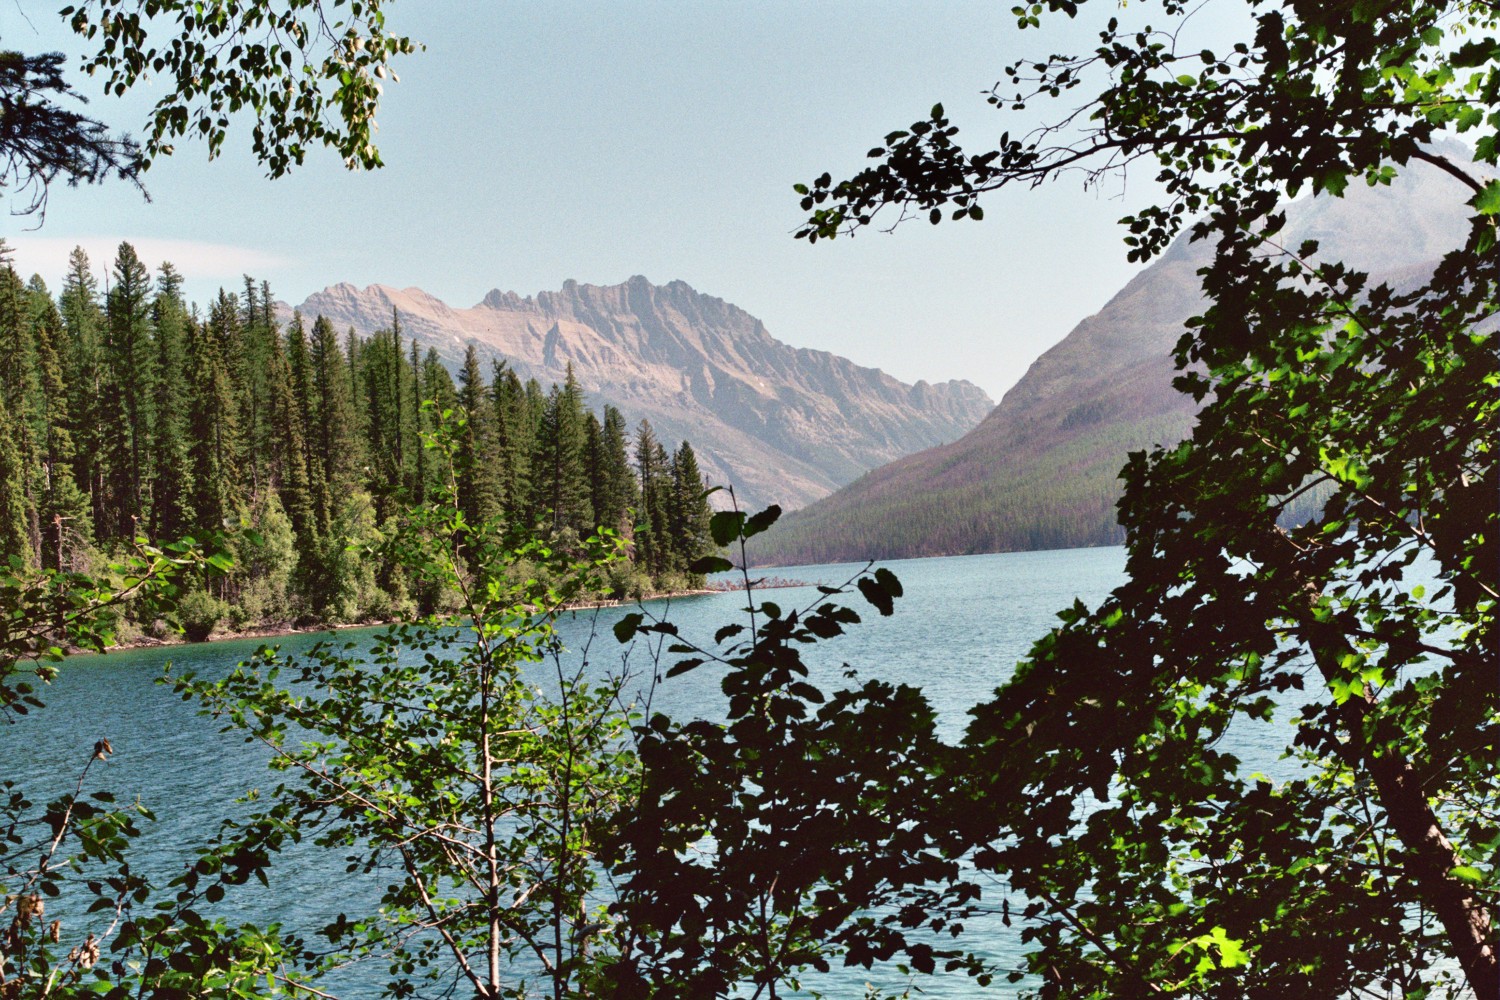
(1144, 859)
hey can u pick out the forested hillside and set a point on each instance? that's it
(1042, 470)
(296, 451)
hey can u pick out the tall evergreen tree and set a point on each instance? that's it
(437, 382)
(661, 514)
(83, 359)
(561, 479)
(305, 395)
(267, 307)
(18, 376)
(617, 492)
(653, 547)
(334, 427)
(476, 468)
(689, 512)
(437, 386)
(129, 395)
(387, 421)
(66, 525)
(593, 464)
(515, 439)
(353, 370)
(15, 536)
(213, 423)
(20, 392)
(421, 423)
(288, 463)
(247, 351)
(171, 510)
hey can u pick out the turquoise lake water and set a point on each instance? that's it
(957, 633)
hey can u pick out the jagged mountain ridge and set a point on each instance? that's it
(1041, 470)
(783, 424)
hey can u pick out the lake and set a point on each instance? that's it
(957, 633)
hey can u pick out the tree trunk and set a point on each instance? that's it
(1429, 856)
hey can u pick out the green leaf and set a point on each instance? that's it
(1484, 240)
(1468, 873)
(1487, 202)
(710, 564)
(726, 525)
(761, 521)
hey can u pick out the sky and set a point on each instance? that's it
(533, 143)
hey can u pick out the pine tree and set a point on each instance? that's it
(476, 467)
(15, 539)
(386, 419)
(353, 369)
(247, 352)
(593, 464)
(561, 479)
(661, 514)
(171, 511)
(213, 430)
(288, 464)
(514, 427)
(66, 526)
(19, 390)
(267, 307)
(421, 423)
(618, 492)
(530, 411)
(304, 394)
(690, 513)
(437, 386)
(334, 428)
(653, 546)
(402, 380)
(129, 395)
(83, 362)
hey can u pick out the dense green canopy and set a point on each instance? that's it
(1143, 858)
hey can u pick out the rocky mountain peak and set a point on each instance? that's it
(783, 424)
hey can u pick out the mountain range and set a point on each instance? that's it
(1041, 470)
(783, 424)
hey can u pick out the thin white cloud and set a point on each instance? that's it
(198, 259)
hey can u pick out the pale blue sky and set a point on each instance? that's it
(531, 143)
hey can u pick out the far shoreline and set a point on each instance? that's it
(281, 631)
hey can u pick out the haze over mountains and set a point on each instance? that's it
(1041, 471)
(783, 424)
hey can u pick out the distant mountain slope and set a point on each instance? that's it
(1041, 471)
(783, 424)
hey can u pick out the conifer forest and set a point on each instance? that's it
(294, 449)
